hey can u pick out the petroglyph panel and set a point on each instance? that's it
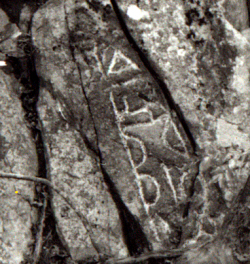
(143, 149)
(159, 172)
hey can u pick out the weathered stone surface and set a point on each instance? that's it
(66, 123)
(8, 33)
(76, 174)
(236, 13)
(18, 155)
(105, 111)
(204, 61)
(140, 143)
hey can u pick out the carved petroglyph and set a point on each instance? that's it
(154, 123)
(115, 62)
(169, 179)
(156, 149)
(172, 137)
(138, 151)
(126, 139)
(150, 189)
(121, 63)
(144, 135)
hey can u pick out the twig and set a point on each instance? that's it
(39, 235)
(155, 255)
(10, 175)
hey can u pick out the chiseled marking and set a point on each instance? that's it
(154, 130)
(170, 182)
(145, 109)
(119, 117)
(143, 176)
(124, 138)
(126, 105)
(181, 187)
(99, 61)
(179, 136)
(162, 120)
(119, 56)
(60, 110)
(129, 82)
(143, 149)
(164, 136)
(139, 111)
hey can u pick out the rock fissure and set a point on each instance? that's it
(24, 69)
(90, 146)
(134, 237)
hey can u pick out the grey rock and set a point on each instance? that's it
(67, 126)
(18, 155)
(204, 60)
(133, 175)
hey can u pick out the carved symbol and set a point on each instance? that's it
(170, 182)
(138, 151)
(153, 143)
(150, 189)
(153, 134)
(121, 63)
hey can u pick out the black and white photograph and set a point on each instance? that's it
(124, 131)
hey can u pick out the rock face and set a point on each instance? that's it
(144, 116)
(17, 156)
(106, 94)
(140, 145)
(204, 60)
(73, 167)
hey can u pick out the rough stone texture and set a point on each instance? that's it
(141, 144)
(144, 150)
(204, 61)
(77, 176)
(8, 32)
(17, 156)
(236, 13)
(64, 114)
(106, 121)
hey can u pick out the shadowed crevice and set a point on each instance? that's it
(248, 8)
(13, 8)
(134, 237)
(24, 70)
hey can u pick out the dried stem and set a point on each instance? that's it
(154, 255)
